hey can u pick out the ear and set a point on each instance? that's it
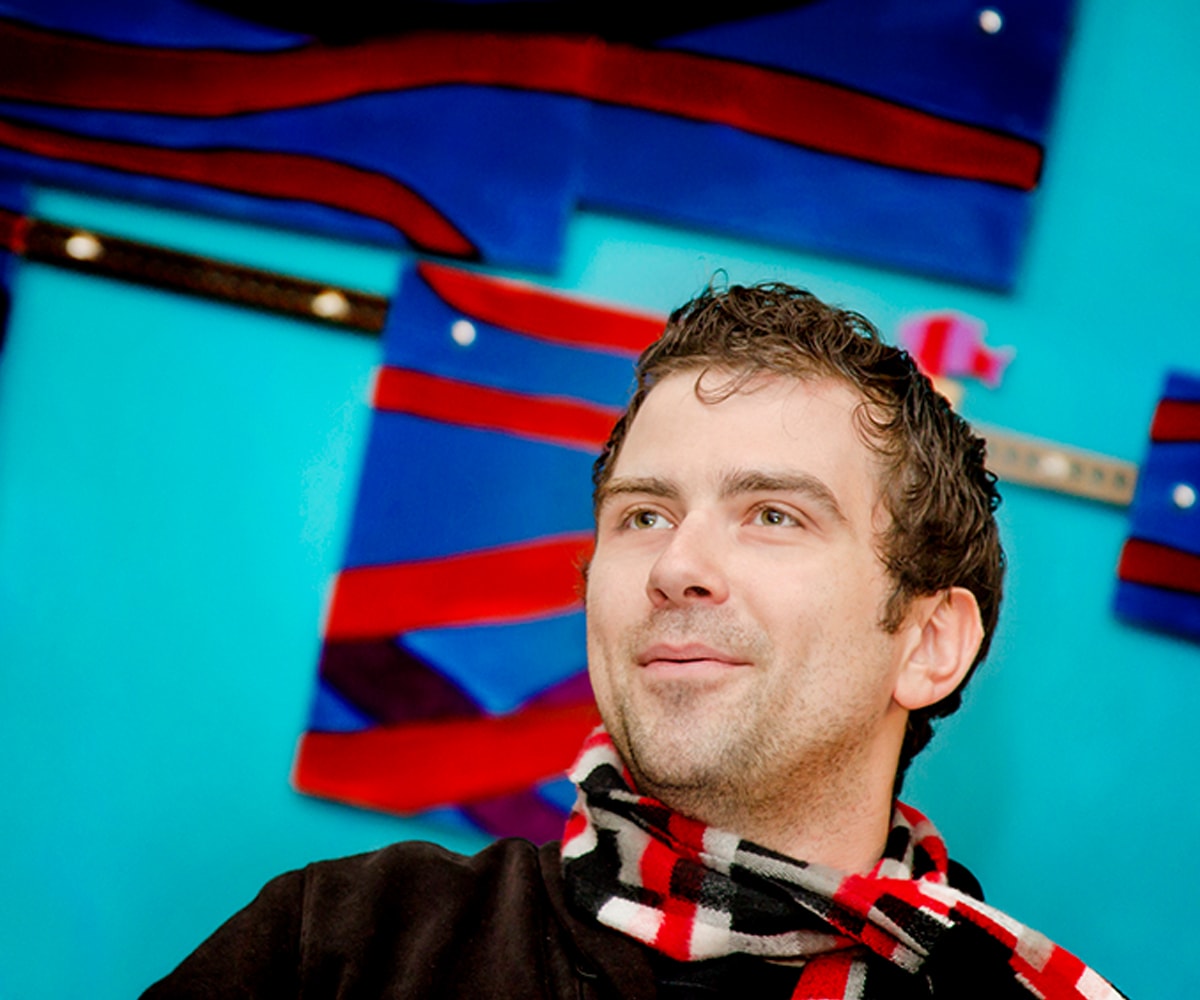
(947, 632)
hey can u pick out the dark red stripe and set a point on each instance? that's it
(421, 765)
(273, 175)
(1159, 566)
(47, 68)
(558, 419)
(13, 230)
(517, 814)
(826, 976)
(41, 67)
(813, 113)
(537, 313)
(504, 584)
(1176, 420)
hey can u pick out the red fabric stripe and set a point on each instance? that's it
(824, 978)
(674, 937)
(687, 834)
(558, 419)
(273, 175)
(13, 230)
(420, 765)
(1057, 979)
(813, 113)
(536, 313)
(42, 67)
(509, 583)
(1159, 566)
(576, 824)
(1176, 420)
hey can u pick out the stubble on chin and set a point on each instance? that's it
(686, 740)
(732, 761)
(674, 745)
(740, 782)
(696, 769)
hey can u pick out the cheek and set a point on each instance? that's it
(831, 611)
(615, 584)
(603, 614)
(615, 603)
(852, 591)
(601, 669)
(594, 639)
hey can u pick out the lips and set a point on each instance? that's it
(687, 654)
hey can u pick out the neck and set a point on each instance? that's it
(848, 836)
(839, 819)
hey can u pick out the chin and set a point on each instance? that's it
(681, 765)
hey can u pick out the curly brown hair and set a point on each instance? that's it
(933, 482)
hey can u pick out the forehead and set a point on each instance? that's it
(688, 428)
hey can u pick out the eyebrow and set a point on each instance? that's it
(735, 483)
(652, 486)
(739, 482)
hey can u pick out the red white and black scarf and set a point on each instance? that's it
(694, 892)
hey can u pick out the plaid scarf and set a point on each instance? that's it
(694, 892)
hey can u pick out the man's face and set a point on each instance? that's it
(735, 596)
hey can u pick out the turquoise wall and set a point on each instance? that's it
(176, 479)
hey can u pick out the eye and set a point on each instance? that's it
(647, 520)
(773, 517)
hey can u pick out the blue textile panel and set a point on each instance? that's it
(500, 143)
(1160, 566)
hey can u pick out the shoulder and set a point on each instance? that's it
(403, 918)
(420, 859)
(410, 887)
(412, 874)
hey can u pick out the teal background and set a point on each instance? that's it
(176, 479)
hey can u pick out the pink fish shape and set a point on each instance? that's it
(949, 344)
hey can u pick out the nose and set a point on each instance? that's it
(689, 569)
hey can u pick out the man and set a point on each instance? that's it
(796, 567)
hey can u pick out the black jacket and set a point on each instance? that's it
(415, 920)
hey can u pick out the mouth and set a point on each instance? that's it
(666, 656)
